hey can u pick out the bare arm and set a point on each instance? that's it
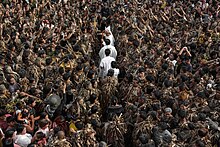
(188, 53)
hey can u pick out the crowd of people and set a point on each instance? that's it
(133, 73)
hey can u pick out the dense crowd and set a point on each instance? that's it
(133, 73)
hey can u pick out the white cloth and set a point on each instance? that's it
(116, 72)
(112, 49)
(174, 62)
(23, 140)
(17, 111)
(105, 65)
(110, 37)
(45, 131)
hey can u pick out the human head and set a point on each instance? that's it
(10, 133)
(43, 123)
(10, 120)
(21, 129)
(31, 102)
(110, 72)
(103, 144)
(107, 41)
(113, 64)
(2, 89)
(43, 115)
(40, 135)
(168, 111)
(107, 52)
(12, 81)
(141, 72)
(61, 135)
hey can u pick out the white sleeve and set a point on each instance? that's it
(101, 64)
(1, 132)
(103, 43)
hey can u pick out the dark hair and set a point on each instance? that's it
(129, 77)
(9, 133)
(107, 52)
(110, 72)
(43, 123)
(141, 69)
(136, 43)
(7, 142)
(19, 105)
(30, 101)
(76, 48)
(48, 61)
(2, 112)
(22, 72)
(150, 78)
(94, 109)
(90, 74)
(79, 125)
(107, 41)
(10, 119)
(114, 64)
(66, 76)
(20, 128)
(79, 67)
(43, 115)
(40, 135)
(165, 66)
(63, 43)
(24, 114)
(61, 70)
(92, 98)
(168, 83)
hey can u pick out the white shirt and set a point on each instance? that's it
(23, 140)
(112, 49)
(45, 131)
(105, 65)
(111, 38)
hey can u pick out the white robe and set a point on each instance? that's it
(110, 37)
(112, 49)
(105, 65)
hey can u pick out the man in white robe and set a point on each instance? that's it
(105, 64)
(108, 35)
(113, 51)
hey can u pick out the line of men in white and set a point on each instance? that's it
(108, 55)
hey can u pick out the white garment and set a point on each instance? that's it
(173, 61)
(105, 65)
(110, 37)
(23, 140)
(45, 131)
(112, 49)
(17, 111)
(116, 72)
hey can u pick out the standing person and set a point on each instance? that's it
(115, 68)
(61, 140)
(8, 140)
(22, 138)
(14, 86)
(108, 46)
(105, 64)
(108, 35)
